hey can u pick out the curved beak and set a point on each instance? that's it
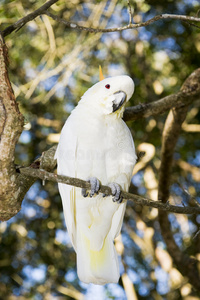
(120, 98)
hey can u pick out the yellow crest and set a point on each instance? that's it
(101, 77)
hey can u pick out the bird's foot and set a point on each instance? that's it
(116, 192)
(95, 185)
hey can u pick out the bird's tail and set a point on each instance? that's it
(98, 267)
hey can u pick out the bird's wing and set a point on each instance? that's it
(66, 155)
(125, 161)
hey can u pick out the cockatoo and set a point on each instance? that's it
(97, 146)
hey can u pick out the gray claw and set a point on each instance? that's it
(84, 192)
(116, 192)
(120, 200)
(95, 185)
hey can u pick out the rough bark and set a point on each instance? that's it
(13, 185)
(12, 123)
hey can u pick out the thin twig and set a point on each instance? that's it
(191, 24)
(43, 10)
(44, 175)
(76, 26)
(129, 12)
(196, 234)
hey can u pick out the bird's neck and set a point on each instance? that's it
(94, 113)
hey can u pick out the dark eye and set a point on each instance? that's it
(107, 86)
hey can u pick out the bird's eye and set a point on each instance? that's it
(107, 86)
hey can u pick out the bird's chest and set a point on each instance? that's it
(117, 139)
(97, 142)
(91, 140)
(99, 138)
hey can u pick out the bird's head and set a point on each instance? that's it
(110, 94)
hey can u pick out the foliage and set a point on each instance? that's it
(51, 66)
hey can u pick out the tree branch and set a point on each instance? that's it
(186, 265)
(44, 175)
(45, 161)
(172, 129)
(188, 93)
(20, 23)
(76, 26)
(157, 107)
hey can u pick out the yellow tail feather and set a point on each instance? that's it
(97, 258)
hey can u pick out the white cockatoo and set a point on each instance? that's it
(96, 145)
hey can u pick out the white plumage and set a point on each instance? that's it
(95, 142)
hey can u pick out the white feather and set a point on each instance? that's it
(95, 142)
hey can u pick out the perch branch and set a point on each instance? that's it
(44, 175)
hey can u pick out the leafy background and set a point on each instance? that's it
(51, 66)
